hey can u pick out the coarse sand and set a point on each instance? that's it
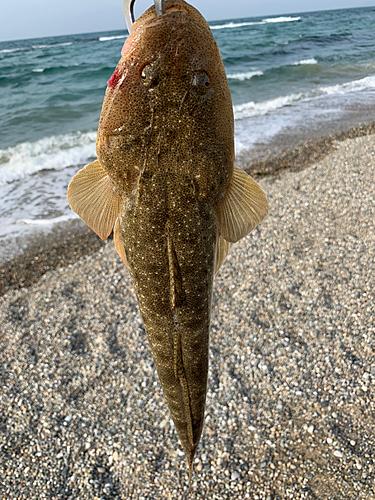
(290, 408)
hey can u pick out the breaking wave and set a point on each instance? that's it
(250, 109)
(304, 62)
(253, 23)
(33, 47)
(232, 25)
(55, 153)
(47, 222)
(281, 19)
(51, 45)
(60, 67)
(244, 76)
(355, 86)
(108, 38)
(5, 51)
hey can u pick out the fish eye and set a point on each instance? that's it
(150, 76)
(200, 82)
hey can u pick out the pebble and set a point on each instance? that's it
(163, 423)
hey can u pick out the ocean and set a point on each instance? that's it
(290, 76)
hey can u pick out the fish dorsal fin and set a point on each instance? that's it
(91, 195)
(117, 240)
(243, 208)
(222, 249)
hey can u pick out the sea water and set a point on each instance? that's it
(287, 74)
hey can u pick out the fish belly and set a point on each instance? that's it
(170, 239)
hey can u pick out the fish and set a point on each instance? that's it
(165, 182)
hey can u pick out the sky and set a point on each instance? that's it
(21, 19)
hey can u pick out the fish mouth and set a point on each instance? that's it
(149, 18)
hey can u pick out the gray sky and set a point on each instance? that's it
(37, 18)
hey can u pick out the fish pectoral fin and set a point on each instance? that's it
(91, 195)
(244, 207)
(222, 249)
(118, 241)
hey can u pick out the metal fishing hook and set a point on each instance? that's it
(159, 7)
(128, 8)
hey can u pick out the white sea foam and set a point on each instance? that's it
(253, 23)
(46, 222)
(261, 108)
(244, 76)
(4, 51)
(233, 25)
(56, 152)
(355, 86)
(306, 62)
(107, 38)
(40, 70)
(250, 109)
(281, 19)
(51, 45)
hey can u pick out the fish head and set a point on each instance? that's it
(168, 93)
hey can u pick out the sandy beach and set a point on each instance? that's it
(290, 409)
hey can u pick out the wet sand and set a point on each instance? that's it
(290, 410)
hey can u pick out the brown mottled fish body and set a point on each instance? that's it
(172, 268)
(169, 222)
(166, 163)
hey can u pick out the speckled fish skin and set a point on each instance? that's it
(166, 140)
(166, 183)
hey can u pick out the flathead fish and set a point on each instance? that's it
(166, 183)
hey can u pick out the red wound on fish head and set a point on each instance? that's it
(114, 78)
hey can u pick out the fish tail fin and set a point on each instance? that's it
(190, 472)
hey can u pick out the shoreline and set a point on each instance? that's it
(301, 155)
(68, 242)
(64, 245)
